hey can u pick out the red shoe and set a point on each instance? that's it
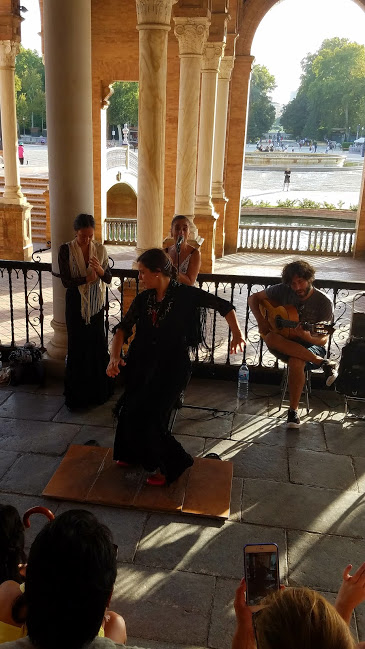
(156, 480)
(121, 463)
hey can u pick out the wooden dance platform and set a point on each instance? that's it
(88, 474)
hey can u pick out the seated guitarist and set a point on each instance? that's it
(305, 350)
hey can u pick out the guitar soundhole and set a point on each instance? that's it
(279, 322)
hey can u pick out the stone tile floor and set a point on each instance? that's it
(176, 578)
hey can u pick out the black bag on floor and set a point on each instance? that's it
(26, 365)
(351, 372)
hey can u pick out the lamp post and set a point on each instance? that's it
(357, 132)
(23, 125)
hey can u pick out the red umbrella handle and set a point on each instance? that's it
(37, 510)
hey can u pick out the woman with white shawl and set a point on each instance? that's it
(84, 271)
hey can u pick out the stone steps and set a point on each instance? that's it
(33, 189)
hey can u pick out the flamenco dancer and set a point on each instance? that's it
(170, 323)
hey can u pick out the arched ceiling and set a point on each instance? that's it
(251, 14)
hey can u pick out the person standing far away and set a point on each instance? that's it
(287, 173)
(21, 153)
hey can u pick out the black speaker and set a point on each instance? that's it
(358, 325)
(351, 372)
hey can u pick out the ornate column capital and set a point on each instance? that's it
(8, 52)
(226, 67)
(212, 55)
(192, 34)
(107, 91)
(154, 14)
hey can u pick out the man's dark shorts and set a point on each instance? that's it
(318, 350)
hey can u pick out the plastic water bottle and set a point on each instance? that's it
(242, 387)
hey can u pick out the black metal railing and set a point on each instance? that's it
(25, 297)
(27, 309)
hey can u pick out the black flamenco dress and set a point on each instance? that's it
(86, 382)
(157, 370)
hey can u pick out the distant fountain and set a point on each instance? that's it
(283, 159)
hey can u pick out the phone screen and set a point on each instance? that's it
(262, 574)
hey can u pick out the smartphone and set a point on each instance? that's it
(261, 572)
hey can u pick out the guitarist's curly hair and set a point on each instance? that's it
(300, 268)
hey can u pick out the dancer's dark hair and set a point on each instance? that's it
(157, 260)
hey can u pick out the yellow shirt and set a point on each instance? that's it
(9, 632)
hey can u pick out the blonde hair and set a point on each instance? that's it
(301, 618)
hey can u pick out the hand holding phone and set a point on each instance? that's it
(261, 572)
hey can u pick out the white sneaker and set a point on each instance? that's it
(330, 371)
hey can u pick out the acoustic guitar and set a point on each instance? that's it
(284, 319)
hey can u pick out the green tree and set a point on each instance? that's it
(294, 116)
(261, 113)
(30, 89)
(331, 93)
(123, 104)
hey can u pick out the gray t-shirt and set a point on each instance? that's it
(317, 308)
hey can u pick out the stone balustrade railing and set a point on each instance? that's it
(296, 239)
(118, 230)
(122, 157)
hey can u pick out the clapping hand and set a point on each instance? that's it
(351, 593)
(95, 265)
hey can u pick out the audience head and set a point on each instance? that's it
(300, 618)
(70, 576)
(299, 268)
(157, 260)
(180, 226)
(11, 544)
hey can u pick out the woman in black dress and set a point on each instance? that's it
(84, 271)
(169, 319)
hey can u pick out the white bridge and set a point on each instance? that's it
(120, 226)
(121, 167)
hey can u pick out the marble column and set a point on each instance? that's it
(192, 34)
(67, 44)
(212, 56)
(205, 217)
(235, 145)
(219, 147)
(359, 247)
(153, 19)
(8, 52)
(16, 239)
